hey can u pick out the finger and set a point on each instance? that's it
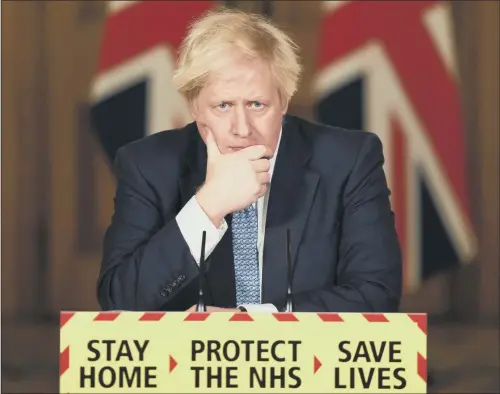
(263, 178)
(213, 151)
(257, 152)
(261, 165)
(262, 191)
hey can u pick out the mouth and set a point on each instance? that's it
(237, 148)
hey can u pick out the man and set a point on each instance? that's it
(245, 172)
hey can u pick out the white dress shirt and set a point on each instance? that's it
(192, 221)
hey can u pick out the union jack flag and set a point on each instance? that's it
(132, 93)
(389, 67)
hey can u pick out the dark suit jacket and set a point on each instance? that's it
(328, 188)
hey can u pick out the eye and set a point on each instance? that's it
(223, 105)
(257, 104)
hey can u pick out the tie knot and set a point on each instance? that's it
(248, 209)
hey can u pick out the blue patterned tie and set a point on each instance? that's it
(246, 260)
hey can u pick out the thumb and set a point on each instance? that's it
(213, 151)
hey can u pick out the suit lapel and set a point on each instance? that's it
(220, 267)
(194, 164)
(293, 187)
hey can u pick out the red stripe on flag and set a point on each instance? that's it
(197, 316)
(285, 317)
(145, 25)
(375, 317)
(330, 317)
(422, 367)
(107, 316)
(420, 319)
(152, 316)
(64, 317)
(346, 23)
(64, 361)
(399, 25)
(238, 316)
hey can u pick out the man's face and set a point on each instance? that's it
(241, 106)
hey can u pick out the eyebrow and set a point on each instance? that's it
(259, 98)
(217, 100)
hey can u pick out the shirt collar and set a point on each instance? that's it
(272, 161)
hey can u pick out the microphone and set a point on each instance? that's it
(289, 300)
(201, 307)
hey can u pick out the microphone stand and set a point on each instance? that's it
(201, 307)
(289, 299)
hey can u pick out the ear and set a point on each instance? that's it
(193, 108)
(284, 108)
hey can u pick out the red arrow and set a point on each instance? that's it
(173, 364)
(317, 364)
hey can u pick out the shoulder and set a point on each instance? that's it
(164, 149)
(155, 161)
(163, 144)
(330, 143)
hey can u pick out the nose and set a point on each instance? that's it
(241, 123)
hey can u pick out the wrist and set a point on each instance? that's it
(209, 205)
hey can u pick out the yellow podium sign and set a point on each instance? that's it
(225, 352)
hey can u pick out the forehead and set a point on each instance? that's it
(242, 78)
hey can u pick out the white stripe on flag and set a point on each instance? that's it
(119, 5)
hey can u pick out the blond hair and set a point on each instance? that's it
(220, 37)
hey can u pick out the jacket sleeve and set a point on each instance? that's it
(146, 261)
(369, 270)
